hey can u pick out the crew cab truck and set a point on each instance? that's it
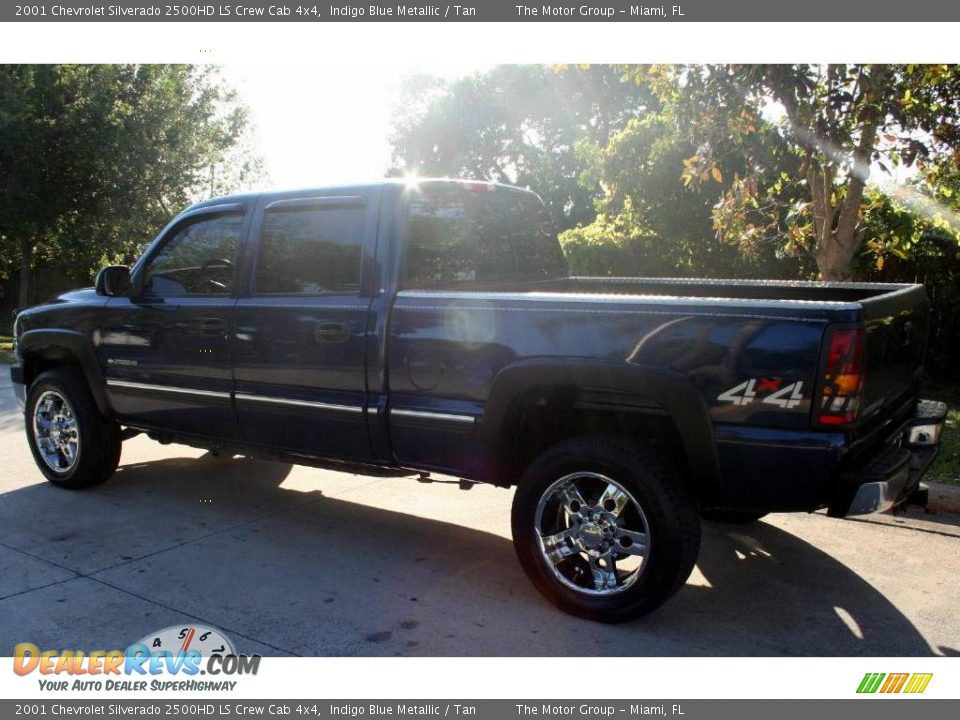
(431, 326)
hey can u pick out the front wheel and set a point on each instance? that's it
(72, 443)
(604, 529)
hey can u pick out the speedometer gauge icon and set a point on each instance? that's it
(181, 639)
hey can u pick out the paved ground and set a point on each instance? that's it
(292, 560)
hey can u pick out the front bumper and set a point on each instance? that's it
(19, 388)
(886, 477)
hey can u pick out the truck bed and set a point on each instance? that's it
(716, 332)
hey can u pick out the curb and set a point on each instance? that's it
(943, 498)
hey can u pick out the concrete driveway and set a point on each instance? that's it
(296, 561)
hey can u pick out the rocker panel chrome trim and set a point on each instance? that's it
(427, 415)
(299, 403)
(171, 389)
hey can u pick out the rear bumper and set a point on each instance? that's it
(19, 388)
(887, 476)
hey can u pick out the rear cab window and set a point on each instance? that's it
(310, 249)
(475, 235)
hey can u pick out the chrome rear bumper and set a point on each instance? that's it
(888, 477)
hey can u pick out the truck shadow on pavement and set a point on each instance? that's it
(285, 568)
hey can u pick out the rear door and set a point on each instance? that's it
(300, 337)
(166, 349)
(458, 237)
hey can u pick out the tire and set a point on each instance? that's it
(643, 492)
(732, 517)
(60, 399)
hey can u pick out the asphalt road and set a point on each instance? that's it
(296, 561)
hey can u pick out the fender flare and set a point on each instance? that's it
(676, 394)
(38, 342)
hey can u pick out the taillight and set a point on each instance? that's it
(843, 376)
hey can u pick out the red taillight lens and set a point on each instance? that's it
(842, 377)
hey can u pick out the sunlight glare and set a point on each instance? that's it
(847, 619)
(325, 124)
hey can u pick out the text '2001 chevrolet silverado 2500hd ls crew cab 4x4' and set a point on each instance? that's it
(432, 327)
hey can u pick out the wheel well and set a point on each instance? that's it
(48, 358)
(542, 417)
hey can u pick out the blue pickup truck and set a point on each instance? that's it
(433, 327)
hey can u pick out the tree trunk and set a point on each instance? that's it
(836, 250)
(835, 255)
(26, 273)
(820, 177)
(836, 236)
(833, 261)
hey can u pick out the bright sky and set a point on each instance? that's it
(325, 124)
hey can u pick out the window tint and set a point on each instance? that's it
(310, 251)
(460, 237)
(197, 260)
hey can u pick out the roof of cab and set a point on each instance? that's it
(250, 197)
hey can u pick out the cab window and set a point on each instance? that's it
(310, 251)
(460, 237)
(198, 259)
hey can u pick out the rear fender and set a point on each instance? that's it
(674, 393)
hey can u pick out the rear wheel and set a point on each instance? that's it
(72, 443)
(605, 529)
(733, 517)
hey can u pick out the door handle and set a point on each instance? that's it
(213, 326)
(327, 331)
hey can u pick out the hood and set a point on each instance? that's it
(81, 295)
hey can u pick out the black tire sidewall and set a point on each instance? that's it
(99, 440)
(659, 494)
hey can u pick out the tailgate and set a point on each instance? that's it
(896, 337)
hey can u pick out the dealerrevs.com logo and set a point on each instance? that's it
(889, 683)
(184, 651)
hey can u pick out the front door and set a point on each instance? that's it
(300, 337)
(166, 348)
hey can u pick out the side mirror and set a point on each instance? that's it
(113, 280)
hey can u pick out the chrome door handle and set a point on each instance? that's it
(326, 331)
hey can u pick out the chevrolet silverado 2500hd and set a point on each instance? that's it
(432, 326)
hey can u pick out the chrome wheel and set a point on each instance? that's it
(56, 432)
(592, 533)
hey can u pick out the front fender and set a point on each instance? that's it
(54, 343)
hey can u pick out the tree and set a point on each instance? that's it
(841, 122)
(516, 124)
(94, 158)
(656, 216)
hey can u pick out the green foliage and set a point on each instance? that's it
(946, 467)
(94, 159)
(804, 141)
(518, 124)
(654, 219)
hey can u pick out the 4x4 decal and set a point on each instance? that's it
(788, 396)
